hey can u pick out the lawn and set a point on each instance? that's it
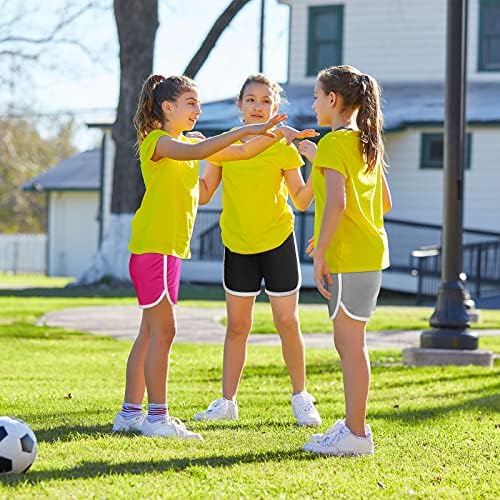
(436, 429)
(315, 319)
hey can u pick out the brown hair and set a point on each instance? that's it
(359, 91)
(275, 88)
(155, 90)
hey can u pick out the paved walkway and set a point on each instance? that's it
(202, 325)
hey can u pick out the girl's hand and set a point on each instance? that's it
(321, 274)
(194, 134)
(290, 134)
(308, 149)
(263, 128)
(310, 246)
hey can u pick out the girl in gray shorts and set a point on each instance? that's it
(350, 244)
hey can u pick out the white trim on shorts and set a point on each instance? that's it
(352, 316)
(338, 299)
(232, 292)
(340, 304)
(299, 284)
(165, 287)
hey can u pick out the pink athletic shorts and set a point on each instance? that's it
(154, 276)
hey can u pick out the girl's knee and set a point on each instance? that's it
(238, 328)
(346, 344)
(164, 335)
(286, 322)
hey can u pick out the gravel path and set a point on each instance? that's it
(202, 325)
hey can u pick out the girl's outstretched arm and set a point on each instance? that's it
(177, 150)
(256, 146)
(209, 182)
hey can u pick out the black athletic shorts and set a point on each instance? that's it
(279, 268)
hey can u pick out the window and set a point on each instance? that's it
(432, 150)
(325, 35)
(489, 35)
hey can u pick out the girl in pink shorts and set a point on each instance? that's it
(161, 231)
(155, 276)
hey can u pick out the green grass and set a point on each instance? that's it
(32, 280)
(29, 309)
(315, 319)
(435, 428)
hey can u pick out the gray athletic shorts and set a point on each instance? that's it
(355, 293)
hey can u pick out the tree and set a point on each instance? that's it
(137, 22)
(23, 155)
(31, 39)
(213, 36)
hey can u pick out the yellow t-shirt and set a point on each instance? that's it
(360, 241)
(164, 221)
(255, 214)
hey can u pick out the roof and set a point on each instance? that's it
(404, 105)
(80, 172)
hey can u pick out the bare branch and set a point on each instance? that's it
(15, 53)
(213, 36)
(63, 23)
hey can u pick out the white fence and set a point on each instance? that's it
(22, 253)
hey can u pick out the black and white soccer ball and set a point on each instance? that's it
(17, 446)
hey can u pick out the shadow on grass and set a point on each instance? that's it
(72, 432)
(62, 292)
(422, 415)
(21, 330)
(89, 470)
(433, 379)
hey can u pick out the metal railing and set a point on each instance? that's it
(481, 269)
(481, 250)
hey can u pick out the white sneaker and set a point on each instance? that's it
(342, 442)
(316, 438)
(131, 424)
(220, 409)
(304, 410)
(168, 427)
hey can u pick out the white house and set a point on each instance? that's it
(402, 44)
(73, 191)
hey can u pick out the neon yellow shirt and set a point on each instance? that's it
(255, 214)
(360, 241)
(164, 221)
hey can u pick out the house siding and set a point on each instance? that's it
(74, 231)
(418, 193)
(412, 50)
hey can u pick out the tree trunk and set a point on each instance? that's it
(213, 36)
(137, 22)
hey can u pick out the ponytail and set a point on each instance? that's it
(371, 122)
(155, 90)
(360, 91)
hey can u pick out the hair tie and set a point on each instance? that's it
(364, 81)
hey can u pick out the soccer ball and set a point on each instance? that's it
(17, 446)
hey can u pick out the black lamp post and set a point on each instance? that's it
(450, 320)
(261, 35)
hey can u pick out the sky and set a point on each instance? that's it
(69, 82)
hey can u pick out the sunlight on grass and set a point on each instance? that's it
(35, 280)
(436, 443)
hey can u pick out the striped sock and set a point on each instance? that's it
(130, 410)
(156, 412)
